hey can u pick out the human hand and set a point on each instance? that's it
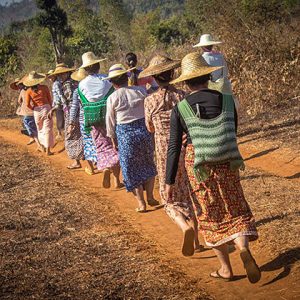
(50, 114)
(70, 128)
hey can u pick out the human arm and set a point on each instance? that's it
(28, 100)
(110, 117)
(148, 116)
(153, 85)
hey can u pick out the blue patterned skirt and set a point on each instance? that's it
(89, 148)
(136, 153)
(30, 126)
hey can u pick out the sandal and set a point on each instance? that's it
(153, 202)
(30, 142)
(106, 179)
(88, 171)
(199, 249)
(73, 167)
(188, 242)
(219, 276)
(252, 269)
(141, 210)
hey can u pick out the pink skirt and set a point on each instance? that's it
(44, 125)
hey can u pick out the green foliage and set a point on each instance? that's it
(55, 20)
(8, 57)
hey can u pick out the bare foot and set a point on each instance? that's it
(31, 141)
(220, 274)
(153, 202)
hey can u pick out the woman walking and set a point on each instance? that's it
(125, 123)
(93, 92)
(212, 161)
(76, 113)
(25, 112)
(158, 107)
(39, 100)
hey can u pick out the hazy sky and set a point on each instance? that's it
(3, 2)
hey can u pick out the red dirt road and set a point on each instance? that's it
(279, 258)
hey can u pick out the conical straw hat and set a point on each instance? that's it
(89, 58)
(60, 69)
(159, 64)
(79, 74)
(194, 65)
(206, 40)
(34, 78)
(14, 84)
(117, 70)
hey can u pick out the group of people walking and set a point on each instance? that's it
(138, 123)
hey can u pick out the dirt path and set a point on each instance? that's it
(274, 200)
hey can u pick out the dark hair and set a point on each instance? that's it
(130, 58)
(35, 87)
(164, 77)
(93, 69)
(198, 80)
(120, 80)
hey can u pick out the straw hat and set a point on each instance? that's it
(79, 74)
(117, 70)
(14, 84)
(60, 69)
(207, 40)
(34, 78)
(89, 58)
(194, 65)
(49, 73)
(159, 64)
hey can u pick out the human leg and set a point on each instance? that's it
(116, 173)
(252, 269)
(139, 195)
(225, 271)
(149, 187)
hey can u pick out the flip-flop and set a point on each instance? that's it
(88, 171)
(219, 276)
(252, 269)
(30, 142)
(188, 242)
(71, 167)
(153, 202)
(140, 210)
(106, 179)
(201, 248)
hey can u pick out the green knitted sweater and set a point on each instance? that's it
(214, 140)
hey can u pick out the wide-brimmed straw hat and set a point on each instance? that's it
(194, 65)
(79, 74)
(117, 70)
(89, 58)
(159, 64)
(34, 78)
(60, 69)
(14, 84)
(49, 73)
(207, 40)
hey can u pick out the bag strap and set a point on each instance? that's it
(82, 97)
(227, 103)
(185, 110)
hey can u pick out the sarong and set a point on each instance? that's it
(30, 126)
(89, 148)
(226, 214)
(107, 156)
(44, 125)
(136, 152)
(73, 140)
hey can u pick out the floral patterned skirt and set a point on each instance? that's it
(226, 214)
(136, 153)
(107, 156)
(73, 140)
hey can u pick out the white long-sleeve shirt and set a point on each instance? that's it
(94, 88)
(124, 106)
(216, 59)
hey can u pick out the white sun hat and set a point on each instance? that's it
(207, 40)
(117, 70)
(89, 58)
